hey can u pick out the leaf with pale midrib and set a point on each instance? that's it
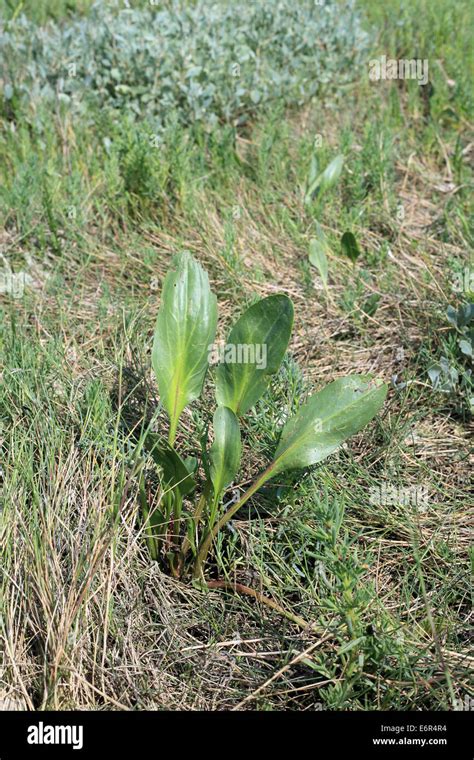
(185, 330)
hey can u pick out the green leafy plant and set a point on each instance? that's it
(450, 374)
(185, 331)
(462, 319)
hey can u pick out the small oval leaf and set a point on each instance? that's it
(349, 246)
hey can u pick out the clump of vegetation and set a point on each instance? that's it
(451, 373)
(200, 62)
(184, 338)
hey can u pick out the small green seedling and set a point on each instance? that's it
(453, 372)
(371, 304)
(318, 183)
(182, 529)
(349, 246)
(318, 248)
(463, 320)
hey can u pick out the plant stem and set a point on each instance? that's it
(206, 543)
(186, 545)
(241, 589)
(172, 432)
(150, 538)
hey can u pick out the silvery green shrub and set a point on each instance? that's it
(205, 61)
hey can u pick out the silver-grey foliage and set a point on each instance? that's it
(204, 61)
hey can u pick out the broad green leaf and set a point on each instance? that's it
(226, 449)
(318, 258)
(434, 373)
(349, 246)
(318, 429)
(253, 352)
(326, 179)
(324, 422)
(185, 330)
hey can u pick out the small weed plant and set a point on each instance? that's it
(190, 511)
